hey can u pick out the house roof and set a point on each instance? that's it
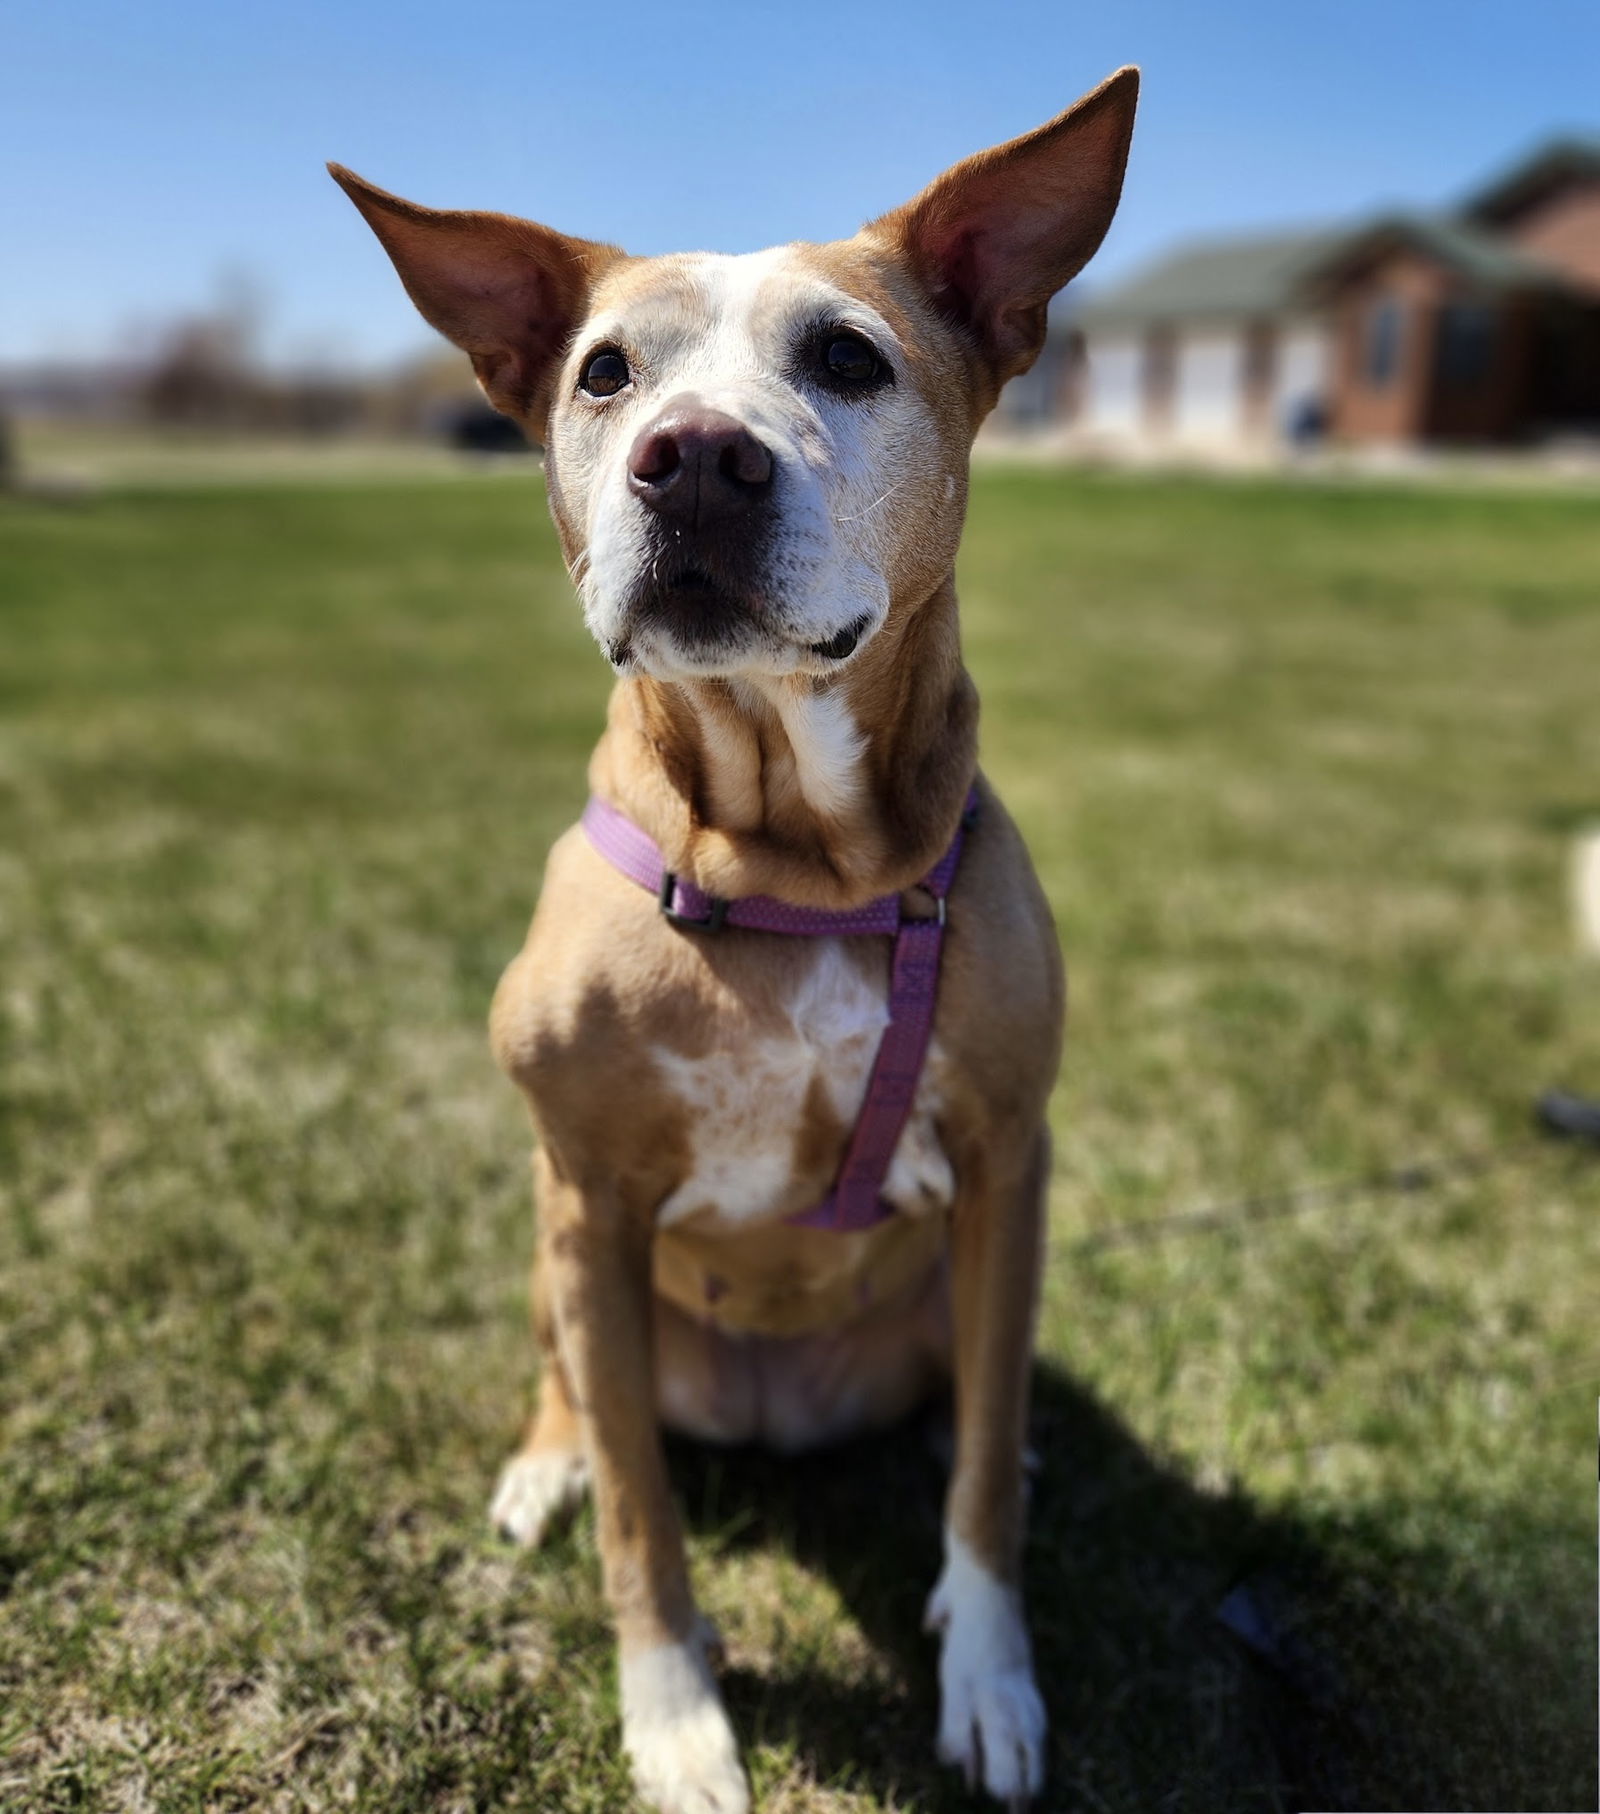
(1266, 274)
(1486, 259)
(1258, 275)
(1533, 176)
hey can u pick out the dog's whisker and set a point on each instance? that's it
(856, 516)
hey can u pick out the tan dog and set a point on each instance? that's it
(758, 468)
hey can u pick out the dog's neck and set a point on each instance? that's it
(826, 794)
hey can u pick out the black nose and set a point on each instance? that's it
(696, 465)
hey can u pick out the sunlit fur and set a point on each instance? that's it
(690, 1090)
(730, 332)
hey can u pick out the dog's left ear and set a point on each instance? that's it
(995, 237)
(508, 292)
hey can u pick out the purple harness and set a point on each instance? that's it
(856, 1201)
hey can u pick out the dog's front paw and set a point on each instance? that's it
(991, 1719)
(678, 1738)
(536, 1489)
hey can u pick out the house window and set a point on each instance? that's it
(1382, 362)
(1466, 342)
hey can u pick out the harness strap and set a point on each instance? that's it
(856, 1201)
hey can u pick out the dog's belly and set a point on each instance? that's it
(774, 1280)
(797, 1392)
(768, 1109)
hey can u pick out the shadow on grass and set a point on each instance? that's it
(1194, 1651)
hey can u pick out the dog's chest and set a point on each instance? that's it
(762, 1104)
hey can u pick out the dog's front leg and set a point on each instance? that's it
(673, 1727)
(991, 1719)
(676, 1733)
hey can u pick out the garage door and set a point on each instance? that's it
(1114, 389)
(1208, 394)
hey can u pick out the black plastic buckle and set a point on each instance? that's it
(713, 921)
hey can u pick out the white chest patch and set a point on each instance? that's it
(745, 1102)
(825, 742)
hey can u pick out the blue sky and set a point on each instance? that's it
(148, 147)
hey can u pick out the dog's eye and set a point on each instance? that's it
(849, 362)
(605, 373)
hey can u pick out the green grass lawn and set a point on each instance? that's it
(1300, 766)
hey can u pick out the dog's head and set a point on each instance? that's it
(753, 460)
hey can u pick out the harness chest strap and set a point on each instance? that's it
(856, 1201)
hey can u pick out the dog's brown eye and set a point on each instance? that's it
(848, 360)
(605, 373)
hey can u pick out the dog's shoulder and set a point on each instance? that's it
(559, 994)
(1002, 988)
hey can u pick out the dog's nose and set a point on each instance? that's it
(698, 464)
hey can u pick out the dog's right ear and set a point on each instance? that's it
(508, 292)
(995, 237)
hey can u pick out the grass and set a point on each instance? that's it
(1300, 766)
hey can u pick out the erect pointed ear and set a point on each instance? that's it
(995, 237)
(508, 292)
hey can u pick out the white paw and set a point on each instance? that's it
(684, 1757)
(535, 1490)
(991, 1719)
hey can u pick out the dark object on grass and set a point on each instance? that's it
(1259, 1610)
(1569, 1117)
(1311, 1719)
(1308, 423)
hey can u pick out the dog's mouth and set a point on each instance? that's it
(693, 581)
(699, 611)
(699, 601)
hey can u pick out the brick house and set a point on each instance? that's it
(1477, 325)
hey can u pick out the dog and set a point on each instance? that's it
(788, 1186)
